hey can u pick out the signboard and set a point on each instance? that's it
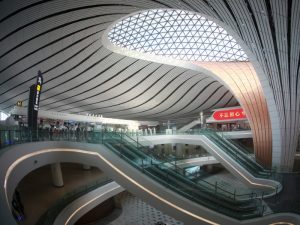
(19, 103)
(38, 90)
(33, 103)
(229, 114)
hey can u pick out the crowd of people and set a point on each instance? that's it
(65, 129)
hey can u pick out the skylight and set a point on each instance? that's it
(178, 34)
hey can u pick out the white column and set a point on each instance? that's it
(180, 150)
(57, 178)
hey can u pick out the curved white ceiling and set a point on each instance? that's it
(63, 40)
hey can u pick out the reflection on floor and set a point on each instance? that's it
(38, 194)
(137, 212)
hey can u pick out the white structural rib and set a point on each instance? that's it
(75, 210)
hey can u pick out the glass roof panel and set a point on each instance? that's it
(177, 34)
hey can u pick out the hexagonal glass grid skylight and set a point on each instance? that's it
(178, 34)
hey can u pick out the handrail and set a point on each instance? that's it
(239, 154)
(139, 158)
(145, 165)
(232, 194)
(233, 150)
(43, 135)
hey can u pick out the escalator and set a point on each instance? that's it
(238, 155)
(240, 164)
(210, 198)
(167, 174)
(204, 193)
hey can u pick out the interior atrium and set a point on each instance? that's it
(149, 112)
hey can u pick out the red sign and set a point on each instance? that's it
(229, 114)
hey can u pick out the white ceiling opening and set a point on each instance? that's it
(177, 34)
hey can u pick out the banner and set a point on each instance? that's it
(229, 114)
(38, 90)
(33, 102)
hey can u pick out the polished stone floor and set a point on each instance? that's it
(137, 212)
(134, 211)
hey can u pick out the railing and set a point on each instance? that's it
(18, 136)
(189, 131)
(246, 152)
(239, 154)
(209, 195)
(231, 203)
(50, 215)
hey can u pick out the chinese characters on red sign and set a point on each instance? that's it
(229, 114)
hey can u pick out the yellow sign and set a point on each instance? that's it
(19, 103)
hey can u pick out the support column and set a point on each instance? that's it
(57, 178)
(180, 150)
(241, 79)
(86, 167)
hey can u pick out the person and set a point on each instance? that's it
(18, 198)
(17, 207)
(16, 211)
(51, 130)
(77, 132)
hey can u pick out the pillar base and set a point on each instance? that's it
(57, 178)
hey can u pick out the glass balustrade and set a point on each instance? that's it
(235, 151)
(51, 214)
(163, 170)
(237, 154)
(172, 176)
